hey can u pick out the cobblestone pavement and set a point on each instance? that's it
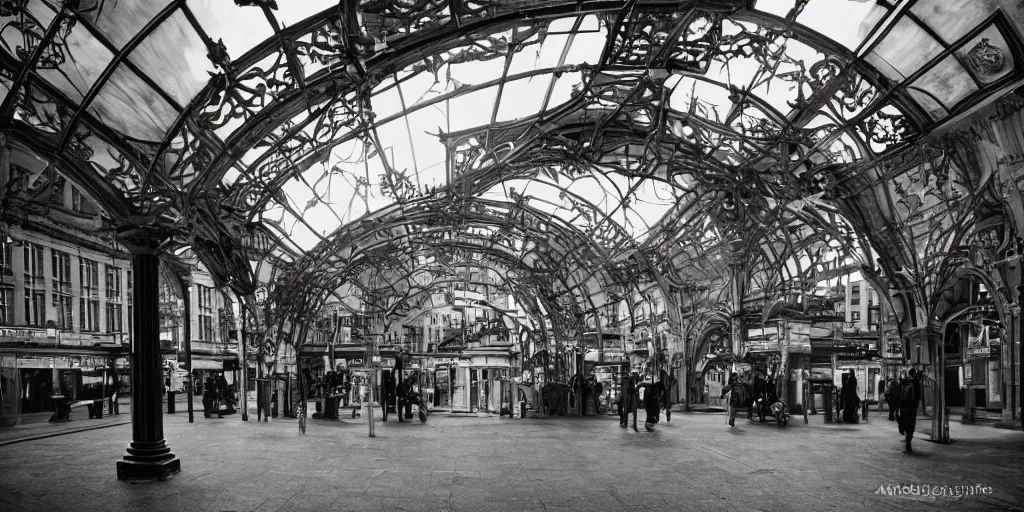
(696, 462)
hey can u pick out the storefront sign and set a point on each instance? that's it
(769, 345)
(35, 362)
(29, 333)
(978, 347)
(355, 362)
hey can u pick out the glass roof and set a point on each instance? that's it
(639, 126)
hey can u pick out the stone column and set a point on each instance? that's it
(149, 457)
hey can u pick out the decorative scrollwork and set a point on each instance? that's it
(985, 59)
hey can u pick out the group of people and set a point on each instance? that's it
(653, 395)
(215, 391)
(591, 390)
(743, 395)
(400, 393)
(904, 397)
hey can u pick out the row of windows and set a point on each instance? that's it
(62, 298)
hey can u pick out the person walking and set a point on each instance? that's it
(666, 397)
(209, 397)
(735, 387)
(760, 395)
(910, 396)
(597, 390)
(653, 398)
(851, 402)
(630, 400)
(892, 399)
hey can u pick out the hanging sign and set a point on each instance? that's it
(768, 345)
(978, 347)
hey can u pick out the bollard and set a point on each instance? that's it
(865, 407)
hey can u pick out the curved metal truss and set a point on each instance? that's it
(580, 146)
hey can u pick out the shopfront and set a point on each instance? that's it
(486, 376)
(29, 381)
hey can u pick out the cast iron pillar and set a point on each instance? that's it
(149, 457)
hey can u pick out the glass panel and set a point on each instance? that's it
(987, 55)
(907, 34)
(174, 56)
(81, 59)
(586, 48)
(5, 87)
(847, 22)
(241, 28)
(473, 109)
(131, 107)
(18, 34)
(779, 8)
(523, 98)
(951, 19)
(120, 21)
(291, 13)
(565, 87)
(934, 109)
(948, 81)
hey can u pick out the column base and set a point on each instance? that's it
(148, 461)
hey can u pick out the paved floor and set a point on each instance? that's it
(696, 462)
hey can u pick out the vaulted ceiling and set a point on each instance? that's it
(607, 137)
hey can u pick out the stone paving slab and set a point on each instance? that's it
(471, 464)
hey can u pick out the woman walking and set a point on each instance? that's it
(850, 400)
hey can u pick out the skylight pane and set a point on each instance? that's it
(523, 98)
(473, 109)
(128, 105)
(241, 28)
(948, 80)
(951, 19)
(174, 56)
(85, 58)
(893, 49)
(291, 13)
(847, 22)
(120, 21)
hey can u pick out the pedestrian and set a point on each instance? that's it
(910, 396)
(630, 399)
(737, 398)
(760, 395)
(209, 397)
(892, 398)
(666, 397)
(850, 400)
(597, 390)
(115, 407)
(653, 397)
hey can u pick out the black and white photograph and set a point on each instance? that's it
(511, 255)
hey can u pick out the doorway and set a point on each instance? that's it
(70, 383)
(36, 389)
(474, 393)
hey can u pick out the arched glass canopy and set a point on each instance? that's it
(662, 131)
